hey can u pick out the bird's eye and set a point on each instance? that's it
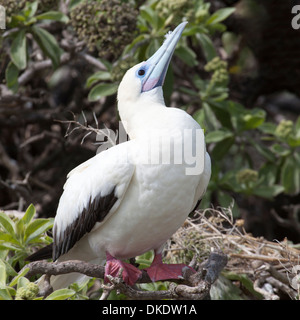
(141, 72)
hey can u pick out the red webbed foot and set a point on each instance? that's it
(130, 274)
(162, 271)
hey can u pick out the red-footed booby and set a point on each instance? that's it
(131, 198)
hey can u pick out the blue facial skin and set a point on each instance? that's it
(153, 71)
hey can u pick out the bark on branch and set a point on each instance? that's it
(191, 286)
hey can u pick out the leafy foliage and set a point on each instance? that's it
(252, 155)
(230, 127)
(26, 22)
(18, 237)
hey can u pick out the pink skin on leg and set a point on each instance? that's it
(162, 271)
(130, 273)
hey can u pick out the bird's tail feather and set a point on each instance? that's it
(81, 251)
(41, 254)
(64, 280)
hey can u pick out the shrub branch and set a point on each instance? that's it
(191, 286)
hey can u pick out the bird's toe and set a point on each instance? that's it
(130, 274)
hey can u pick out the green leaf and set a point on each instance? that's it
(107, 64)
(218, 135)
(147, 14)
(7, 224)
(73, 3)
(237, 112)
(2, 274)
(254, 119)
(30, 9)
(268, 173)
(18, 276)
(22, 282)
(189, 92)
(135, 42)
(17, 19)
(4, 294)
(268, 192)
(290, 175)
(145, 259)
(297, 126)
(20, 230)
(152, 17)
(226, 201)
(36, 228)
(53, 15)
(207, 46)
(61, 294)
(280, 150)
(210, 117)
(261, 149)
(293, 141)
(187, 55)
(9, 246)
(152, 48)
(29, 214)
(48, 44)
(245, 280)
(193, 30)
(10, 271)
(100, 75)
(220, 15)
(221, 113)
(102, 90)
(6, 237)
(268, 128)
(221, 148)
(11, 76)
(199, 116)
(18, 50)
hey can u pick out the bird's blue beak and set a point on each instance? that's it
(155, 68)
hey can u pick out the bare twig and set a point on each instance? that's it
(266, 294)
(104, 132)
(291, 221)
(281, 286)
(256, 257)
(37, 66)
(9, 163)
(93, 61)
(39, 137)
(192, 286)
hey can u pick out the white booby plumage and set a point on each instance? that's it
(121, 203)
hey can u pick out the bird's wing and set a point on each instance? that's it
(93, 191)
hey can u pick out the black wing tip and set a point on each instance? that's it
(96, 211)
(42, 254)
(196, 206)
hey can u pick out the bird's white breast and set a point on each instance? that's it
(150, 213)
(157, 201)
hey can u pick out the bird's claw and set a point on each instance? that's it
(117, 268)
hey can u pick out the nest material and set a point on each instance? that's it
(271, 266)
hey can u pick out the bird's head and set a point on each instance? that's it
(144, 81)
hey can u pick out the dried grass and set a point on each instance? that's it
(264, 262)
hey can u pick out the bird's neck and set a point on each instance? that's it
(142, 115)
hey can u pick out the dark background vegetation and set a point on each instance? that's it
(247, 100)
